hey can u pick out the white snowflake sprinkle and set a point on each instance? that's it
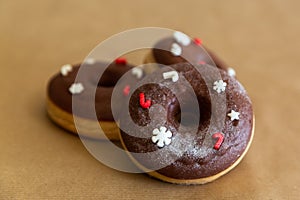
(233, 115)
(219, 86)
(231, 72)
(181, 38)
(161, 137)
(138, 72)
(65, 69)
(176, 49)
(76, 88)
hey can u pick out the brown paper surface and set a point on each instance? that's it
(38, 160)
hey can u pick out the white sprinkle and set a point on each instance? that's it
(161, 137)
(176, 49)
(138, 72)
(231, 72)
(181, 38)
(234, 115)
(171, 74)
(90, 61)
(76, 88)
(219, 86)
(65, 69)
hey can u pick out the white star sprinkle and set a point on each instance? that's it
(219, 86)
(161, 137)
(181, 38)
(76, 88)
(176, 49)
(231, 72)
(234, 115)
(65, 69)
(138, 72)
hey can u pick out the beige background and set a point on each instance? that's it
(41, 161)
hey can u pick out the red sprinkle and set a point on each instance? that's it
(202, 62)
(126, 90)
(198, 41)
(121, 61)
(220, 140)
(143, 103)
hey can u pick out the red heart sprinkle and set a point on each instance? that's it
(202, 62)
(121, 61)
(143, 103)
(198, 41)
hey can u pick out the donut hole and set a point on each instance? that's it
(205, 112)
(187, 119)
(186, 115)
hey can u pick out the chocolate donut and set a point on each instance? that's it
(182, 49)
(223, 129)
(62, 87)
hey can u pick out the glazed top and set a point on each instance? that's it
(59, 89)
(227, 111)
(192, 52)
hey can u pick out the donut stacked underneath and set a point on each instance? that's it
(62, 90)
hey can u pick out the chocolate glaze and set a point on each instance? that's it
(58, 89)
(201, 160)
(192, 52)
